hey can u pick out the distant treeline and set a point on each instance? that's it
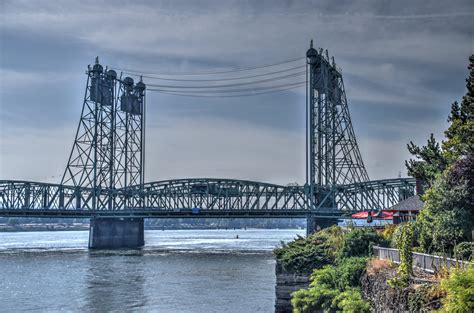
(175, 223)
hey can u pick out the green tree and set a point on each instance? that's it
(429, 162)
(460, 134)
(447, 217)
(448, 171)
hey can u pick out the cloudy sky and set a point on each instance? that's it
(403, 62)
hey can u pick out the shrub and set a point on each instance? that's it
(332, 288)
(349, 272)
(459, 291)
(359, 242)
(350, 301)
(388, 230)
(307, 253)
(464, 251)
(374, 266)
(313, 299)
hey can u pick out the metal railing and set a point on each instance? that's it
(426, 262)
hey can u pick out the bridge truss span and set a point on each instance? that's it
(197, 197)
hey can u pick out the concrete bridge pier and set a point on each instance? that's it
(112, 233)
(315, 223)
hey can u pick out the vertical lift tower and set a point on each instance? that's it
(108, 154)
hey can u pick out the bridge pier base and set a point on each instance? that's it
(111, 233)
(314, 223)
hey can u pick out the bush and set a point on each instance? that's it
(459, 291)
(464, 251)
(350, 301)
(359, 242)
(375, 266)
(313, 299)
(333, 288)
(388, 231)
(307, 253)
(349, 272)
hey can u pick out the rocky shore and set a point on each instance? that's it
(286, 283)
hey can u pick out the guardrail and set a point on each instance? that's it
(426, 262)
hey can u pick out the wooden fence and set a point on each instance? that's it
(427, 262)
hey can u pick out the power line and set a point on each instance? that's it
(216, 79)
(230, 90)
(231, 85)
(228, 96)
(207, 72)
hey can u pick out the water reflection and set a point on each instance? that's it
(115, 281)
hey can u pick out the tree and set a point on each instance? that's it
(460, 134)
(447, 217)
(447, 170)
(429, 161)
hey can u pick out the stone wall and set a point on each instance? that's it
(384, 298)
(286, 283)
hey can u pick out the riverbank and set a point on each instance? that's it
(335, 270)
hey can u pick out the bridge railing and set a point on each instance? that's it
(426, 262)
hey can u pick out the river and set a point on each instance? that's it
(177, 271)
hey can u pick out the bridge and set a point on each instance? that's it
(104, 176)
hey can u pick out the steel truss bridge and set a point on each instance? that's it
(104, 176)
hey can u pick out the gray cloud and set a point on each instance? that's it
(403, 62)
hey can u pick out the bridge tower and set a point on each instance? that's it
(108, 150)
(332, 155)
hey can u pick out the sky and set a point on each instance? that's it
(403, 63)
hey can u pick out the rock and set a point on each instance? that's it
(286, 283)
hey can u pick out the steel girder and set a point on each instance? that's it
(213, 197)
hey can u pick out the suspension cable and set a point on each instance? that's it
(231, 85)
(216, 79)
(207, 72)
(229, 90)
(227, 96)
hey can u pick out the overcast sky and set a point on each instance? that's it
(403, 63)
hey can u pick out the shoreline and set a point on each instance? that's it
(85, 227)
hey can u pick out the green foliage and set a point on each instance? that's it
(313, 299)
(459, 287)
(388, 232)
(333, 288)
(460, 134)
(307, 253)
(404, 242)
(432, 160)
(448, 214)
(424, 298)
(349, 271)
(429, 161)
(359, 241)
(464, 251)
(350, 300)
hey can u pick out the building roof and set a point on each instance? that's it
(412, 203)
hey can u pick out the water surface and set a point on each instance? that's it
(177, 271)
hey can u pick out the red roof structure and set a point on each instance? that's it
(408, 207)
